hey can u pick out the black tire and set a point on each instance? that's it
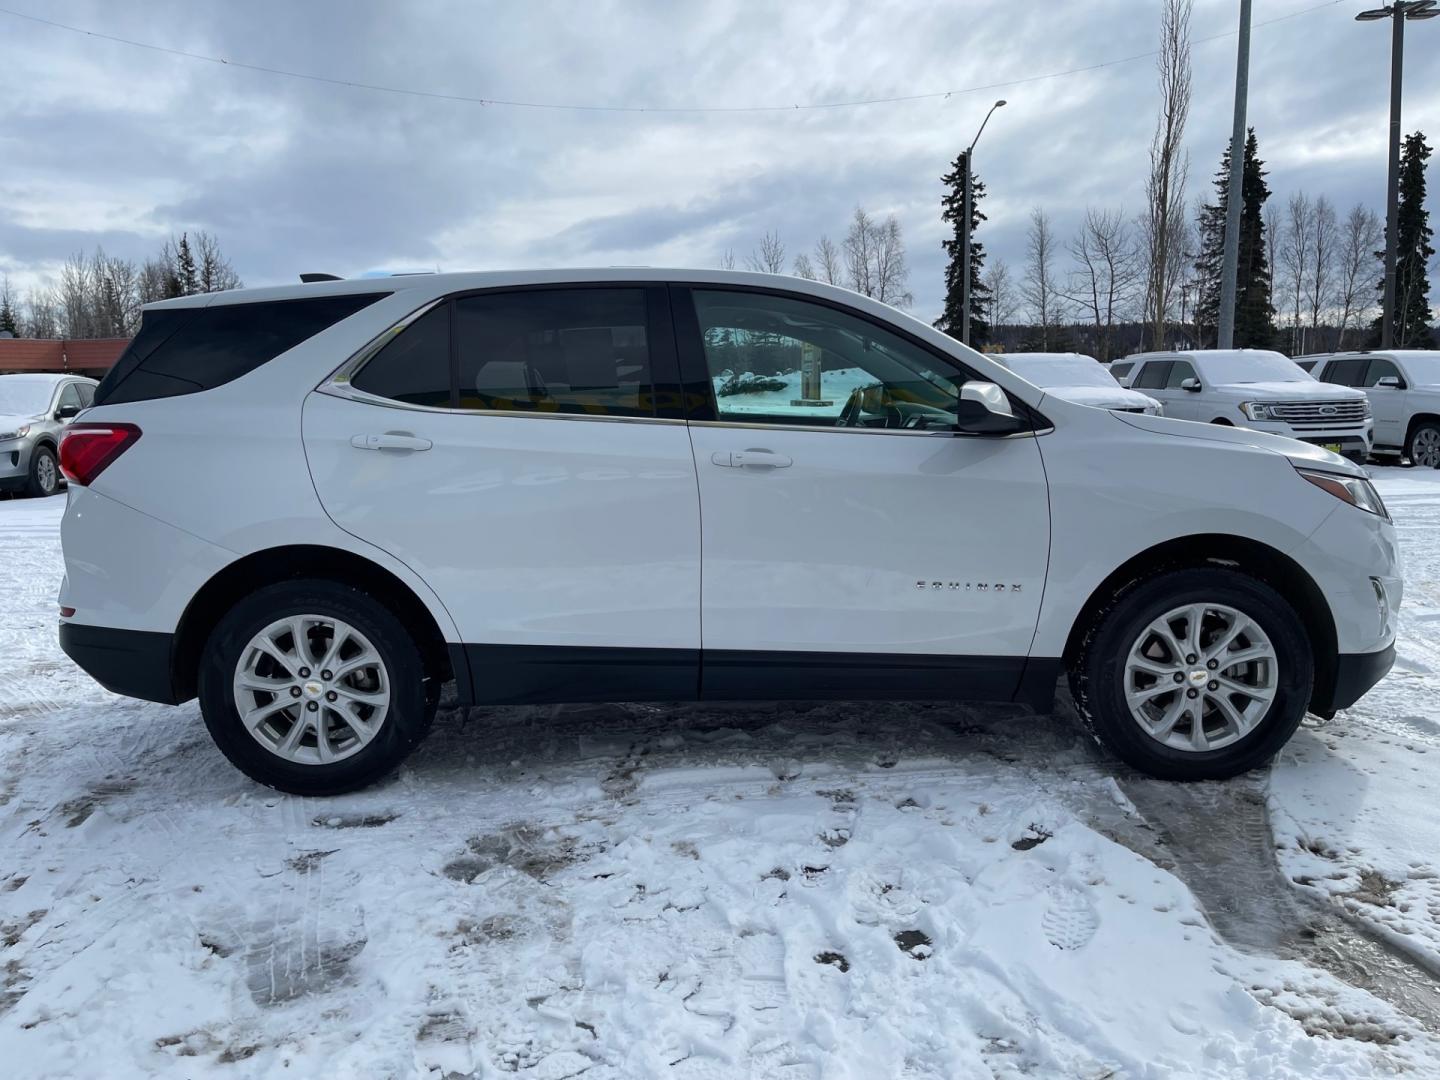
(412, 697)
(1430, 428)
(43, 466)
(1097, 677)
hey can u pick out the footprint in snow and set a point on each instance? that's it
(1070, 920)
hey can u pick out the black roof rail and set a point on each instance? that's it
(309, 279)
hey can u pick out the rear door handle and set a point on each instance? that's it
(750, 459)
(390, 440)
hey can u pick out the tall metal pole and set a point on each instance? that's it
(965, 254)
(1235, 191)
(1392, 196)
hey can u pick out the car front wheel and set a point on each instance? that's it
(313, 687)
(44, 473)
(1195, 674)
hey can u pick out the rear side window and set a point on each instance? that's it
(580, 351)
(1346, 372)
(186, 350)
(1152, 376)
(415, 366)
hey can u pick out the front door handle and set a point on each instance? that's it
(390, 440)
(755, 458)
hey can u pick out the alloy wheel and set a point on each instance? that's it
(1201, 677)
(311, 689)
(1425, 448)
(45, 474)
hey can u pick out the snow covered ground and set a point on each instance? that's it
(858, 892)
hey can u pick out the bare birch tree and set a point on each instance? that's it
(769, 257)
(802, 267)
(1295, 266)
(1360, 235)
(1107, 272)
(1039, 287)
(1000, 299)
(1320, 290)
(1169, 165)
(875, 259)
(829, 264)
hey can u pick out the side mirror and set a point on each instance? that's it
(67, 412)
(1391, 381)
(1192, 384)
(983, 409)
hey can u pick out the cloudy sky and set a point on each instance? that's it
(108, 143)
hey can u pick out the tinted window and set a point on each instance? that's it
(186, 350)
(1346, 372)
(1380, 369)
(775, 359)
(87, 394)
(1120, 370)
(1180, 370)
(415, 366)
(1152, 375)
(69, 396)
(555, 350)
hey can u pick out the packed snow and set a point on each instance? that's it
(788, 891)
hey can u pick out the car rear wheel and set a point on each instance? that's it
(313, 687)
(44, 473)
(1423, 448)
(1195, 674)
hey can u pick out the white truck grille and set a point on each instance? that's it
(1305, 415)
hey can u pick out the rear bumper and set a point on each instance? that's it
(1355, 674)
(136, 663)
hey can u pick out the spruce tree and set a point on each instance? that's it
(185, 269)
(1254, 312)
(1412, 253)
(8, 321)
(952, 210)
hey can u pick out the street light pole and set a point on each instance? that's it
(966, 213)
(1225, 338)
(1398, 13)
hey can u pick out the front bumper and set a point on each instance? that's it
(1355, 674)
(136, 663)
(14, 463)
(1355, 438)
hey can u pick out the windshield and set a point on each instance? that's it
(23, 396)
(1060, 370)
(1250, 367)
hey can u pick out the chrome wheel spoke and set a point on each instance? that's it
(258, 715)
(1198, 740)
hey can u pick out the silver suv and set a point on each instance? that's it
(34, 410)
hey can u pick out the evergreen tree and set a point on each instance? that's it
(952, 210)
(185, 271)
(1412, 253)
(1254, 312)
(8, 320)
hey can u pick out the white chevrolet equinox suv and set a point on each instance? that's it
(313, 506)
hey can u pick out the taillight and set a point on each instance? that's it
(86, 450)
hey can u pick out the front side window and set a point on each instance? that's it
(1180, 370)
(774, 359)
(1152, 376)
(87, 394)
(578, 351)
(1380, 369)
(69, 396)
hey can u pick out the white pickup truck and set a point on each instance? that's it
(1403, 386)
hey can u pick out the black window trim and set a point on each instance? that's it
(698, 391)
(660, 344)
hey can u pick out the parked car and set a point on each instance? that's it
(34, 410)
(313, 506)
(1258, 389)
(1078, 378)
(1403, 386)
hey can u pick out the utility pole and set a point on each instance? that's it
(1398, 13)
(1235, 187)
(966, 214)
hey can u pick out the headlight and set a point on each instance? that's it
(1355, 490)
(1365, 409)
(1155, 410)
(1256, 410)
(18, 433)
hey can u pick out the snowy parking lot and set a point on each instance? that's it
(703, 892)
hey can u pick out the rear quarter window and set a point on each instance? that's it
(186, 350)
